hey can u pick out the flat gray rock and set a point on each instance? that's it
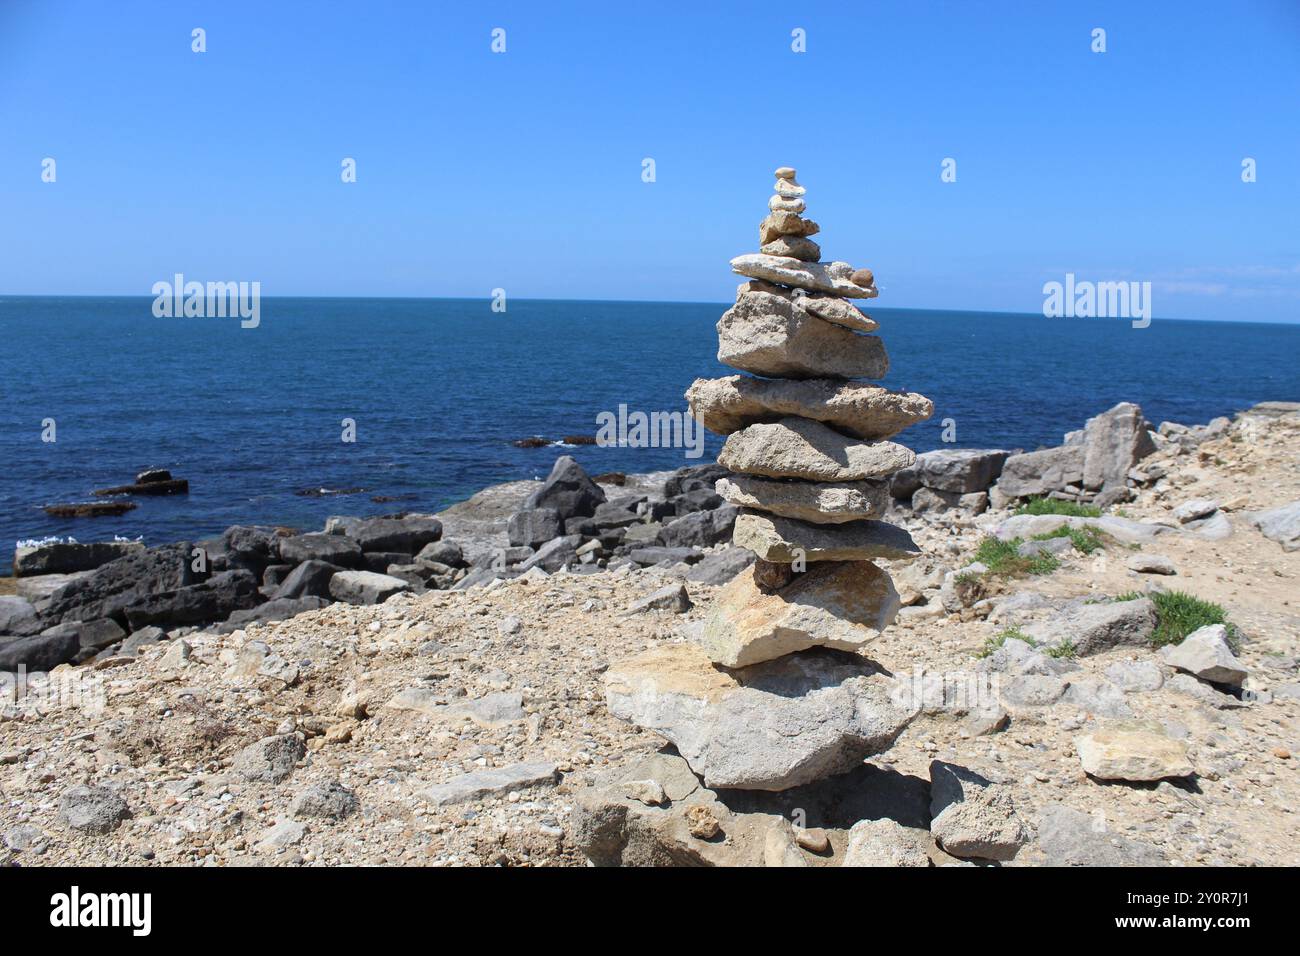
(1093, 628)
(814, 501)
(365, 587)
(814, 276)
(493, 782)
(785, 540)
(799, 448)
(1281, 524)
(1205, 653)
(771, 726)
(972, 816)
(857, 409)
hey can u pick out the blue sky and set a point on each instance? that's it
(522, 170)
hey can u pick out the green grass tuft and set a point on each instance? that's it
(1179, 613)
(1065, 650)
(993, 643)
(1001, 559)
(1054, 506)
(1085, 539)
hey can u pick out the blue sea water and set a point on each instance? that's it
(439, 388)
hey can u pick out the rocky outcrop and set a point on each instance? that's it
(60, 557)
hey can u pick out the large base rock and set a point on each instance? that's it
(842, 605)
(785, 540)
(771, 726)
(864, 411)
(802, 448)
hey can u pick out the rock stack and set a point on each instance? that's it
(765, 698)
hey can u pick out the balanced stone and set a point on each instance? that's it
(780, 223)
(727, 405)
(789, 189)
(818, 502)
(842, 605)
(771, 726)
(815, 276)
(779, 204)
(767, 335)
(783, 540)
(794, 247)
(785, 172)
(832, 308)
(800, 448)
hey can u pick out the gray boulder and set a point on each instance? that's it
(95, 810)
(555, 554)
(277, 609)
(442, 552)
(91, 635)
(1093, 628)
(972, 816)
(405, 535)
(69, 557)
(336, 549)
(770, 726)
(271, 759)
(111, 588)
(326, 801)
(700, 529)
(721, 566)
(1069, 837)
(568, 490)
(212, 600)
(493, 782)
(1281, 524)
(534, 527)
(1206, 653)
(365, 587)
(958, 470)
(311, 578)
(1037, 473)
(18, 617)
(41, 652)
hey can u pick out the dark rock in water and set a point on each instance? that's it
(721, 566)
(69, 557)
(700, 528)
(277, 609)
(697, 499)
(171, 486)
(110, 588)
(611, 478)
(38, 653)
(212, 600)
(378, 561)
(384, 499)
(328, 492)
(311, 578)
(654, 555)
(692, 477)
(534, 527)
(443, 552)
(150, 475)
(568, 490)
(579, 439)
(90, 509)
(406, 535)
(18, 617)
(534, 441)
(333, 549)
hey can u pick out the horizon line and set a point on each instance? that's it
(723, 303)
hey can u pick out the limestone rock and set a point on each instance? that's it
(329, 800)
(832, 604)
(972, 816)
(793, 247)
(1150, 564)
(856, 409)
(1068, 837)
(781, 204)
(768, 335)
(800, 448)
(956, 470)
(365, 587)
(784, 540)
(493, 782)
(818, 502)
(771, 726)
(1281, 524)
(1093, 628)
(886, 843)
(271, 759)
(92, 809)
(814, 276)
(780, 223)
(1132, 750)
(1205, 653)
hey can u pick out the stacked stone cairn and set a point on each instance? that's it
(766, 697)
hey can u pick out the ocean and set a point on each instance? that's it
(440, 388)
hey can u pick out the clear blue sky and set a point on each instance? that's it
(523, 170)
